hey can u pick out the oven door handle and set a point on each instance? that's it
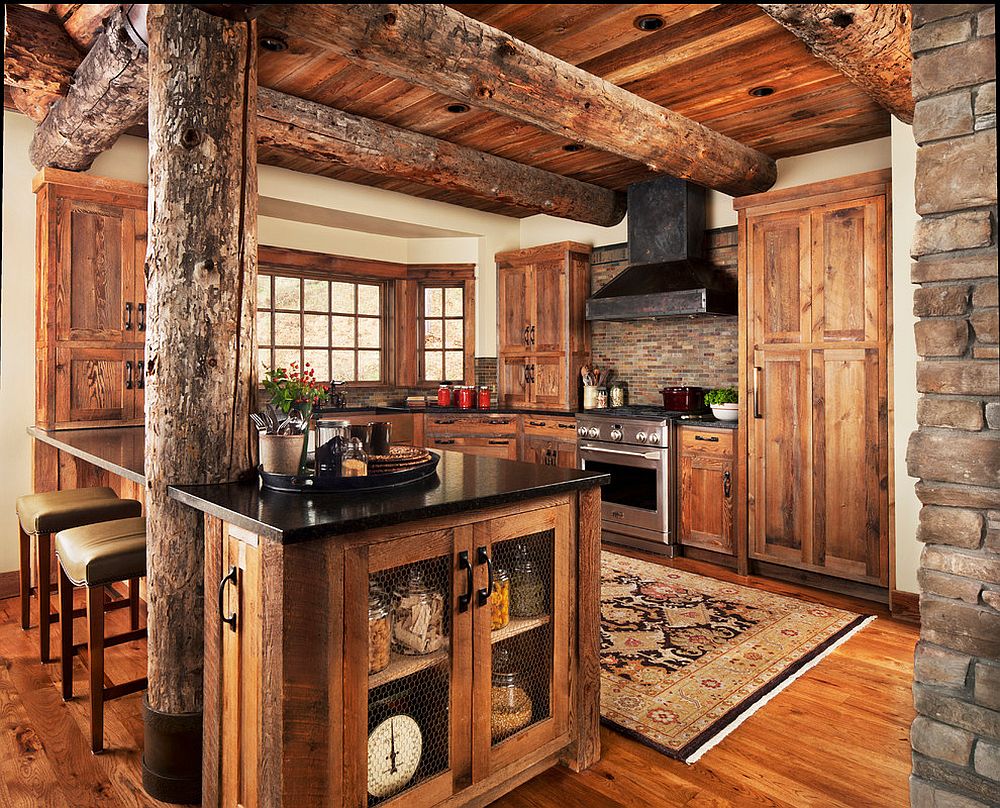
(644, 455)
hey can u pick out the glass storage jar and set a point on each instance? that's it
(418, 616)
(510, 704)
(444, 395)
(379, 629)
(354, 462)
(527, 589)
(500, 599)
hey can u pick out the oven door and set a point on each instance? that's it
(637, 495)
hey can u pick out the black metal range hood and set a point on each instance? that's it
(666, 276)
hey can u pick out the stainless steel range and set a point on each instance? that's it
(634, 446)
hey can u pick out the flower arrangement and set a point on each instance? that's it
(292, 388)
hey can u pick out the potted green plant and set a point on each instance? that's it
(724, 402)
(283, 451)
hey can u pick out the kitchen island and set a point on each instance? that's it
(434, 645)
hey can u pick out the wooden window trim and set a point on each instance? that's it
(468, 332)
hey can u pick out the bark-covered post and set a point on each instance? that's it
(201, 276)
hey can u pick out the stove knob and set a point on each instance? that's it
(616, 434)
(640, 437)
(654, 437)
(593, 432)
(582, 431)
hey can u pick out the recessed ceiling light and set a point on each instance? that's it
(649, 22)
(457, 109)
(273, 43)
(761, 92)
(573, 147)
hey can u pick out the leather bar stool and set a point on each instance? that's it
(41, 515)
(95, 556)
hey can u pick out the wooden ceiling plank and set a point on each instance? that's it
(443, 50)
(319, 132)
(868, 43)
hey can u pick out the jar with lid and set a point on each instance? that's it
(618, 394)
(354, 462)
(510, 704)
(444, 395)
(379, 629)
(465, 398)
(483, 398)
(500, 599)
(527, 589)
(418, 616)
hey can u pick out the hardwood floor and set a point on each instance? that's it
(836, 737)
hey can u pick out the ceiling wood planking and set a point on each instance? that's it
(444, 50)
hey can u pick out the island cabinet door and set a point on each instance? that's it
(408, 669)
(520, 697)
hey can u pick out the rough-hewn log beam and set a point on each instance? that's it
(38, 53)
(437, 47)
(322, 133)
(83, 21)
(109, 94)
(869, 43)
(201, 292)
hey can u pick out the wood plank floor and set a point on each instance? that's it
(835, 737)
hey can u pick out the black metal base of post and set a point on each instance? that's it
(171, 759)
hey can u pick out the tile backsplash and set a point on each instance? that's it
(651, 354)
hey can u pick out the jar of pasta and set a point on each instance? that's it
(379, 629)
(500, 599)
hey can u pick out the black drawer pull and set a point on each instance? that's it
(463, 564)
(498, 422)
(712, 439)
(128, 316)
(727, 484)
(443, 442)
(536, 423)
(482, 557)
(140, 381)
(499, 443)
(566, 426)
(141, 309)
(445, 421)
(128, 374)
(230, 620)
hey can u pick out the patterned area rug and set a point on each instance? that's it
(685, 659)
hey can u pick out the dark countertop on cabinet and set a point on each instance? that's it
(120, 450)
(463, 483)
(708, 422)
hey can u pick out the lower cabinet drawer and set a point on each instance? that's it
(503, 448)
(707, 441)
(558, 429)
(484, 424)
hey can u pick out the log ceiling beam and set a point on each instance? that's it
(443, 50)
(323, 133)
(868, 43)
(109, 94)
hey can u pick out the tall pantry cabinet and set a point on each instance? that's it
(814, 381)
(90, 300)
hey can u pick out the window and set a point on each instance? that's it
(336, 326)
(443, 333)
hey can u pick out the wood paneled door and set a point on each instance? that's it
(814, 338)
(707, 489)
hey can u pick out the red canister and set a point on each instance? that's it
(465, 398)
(483, 398)
(444, 395)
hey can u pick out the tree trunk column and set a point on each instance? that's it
(201, 278)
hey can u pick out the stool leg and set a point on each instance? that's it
(95, 652)
(44, 564)
(133, 602)
(24, 571)
(66, 633)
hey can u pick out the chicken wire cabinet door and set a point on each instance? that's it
(407, 669)
(521, 661)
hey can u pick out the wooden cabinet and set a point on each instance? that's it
(488, 435)
(815, 384)
(543, 338)
(503, 448)
(458, 707)
(549, 441)
(707, 489)
(91, 300)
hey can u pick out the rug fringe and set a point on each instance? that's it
(716, 739)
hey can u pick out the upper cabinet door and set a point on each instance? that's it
(779, 256)
(547, 329)
(514, 308)
(139, 275)
(95, 272)
(848, 270)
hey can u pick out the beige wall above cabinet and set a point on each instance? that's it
(814, 381)
(542, 336)
(91, 300)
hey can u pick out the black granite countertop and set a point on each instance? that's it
(463, 483)
(707, 422)
(498, 411)
(120, 450)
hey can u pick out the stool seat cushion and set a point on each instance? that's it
(103, 552)
(58, 510)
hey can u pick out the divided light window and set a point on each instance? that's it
(336, 326)
(443, 340)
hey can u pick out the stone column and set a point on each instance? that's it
(955, 452)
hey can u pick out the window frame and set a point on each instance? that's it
(468, 330)
(385, 319)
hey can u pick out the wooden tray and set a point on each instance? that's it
(291, 483)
